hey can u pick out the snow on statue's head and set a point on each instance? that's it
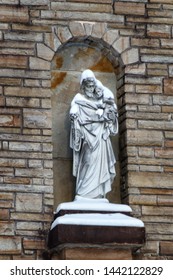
(87, 74)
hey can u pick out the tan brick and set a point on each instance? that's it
(10, 61)
(38, 64)
(7, 120)
(83, 7)
(10, 245)
(168, 86)
(121, 44)
(22, 102)
(26, 202)
(144, 138)
(166, 248)
(2, 100)
(37, 118)
(143, 199)
(34, 2)
(167, 109)
(34, 172)
(99, 29)
(24, 146)
(156, 30)
(4, 214)
(164, 153)
(6, 228)
(165, 200)
(149, 89)
(29, 92)
(150, 180)
(130, 56)
(29, 225)
(157, 125)
(12, 162)
(44, 52)
(14, 14)
(110, 36)
(64, 34)
(35, 243)
(129, 8)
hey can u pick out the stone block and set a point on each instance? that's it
(155, 125)
(121, 44)
(34, 2)
(10, 121)
(26, 202)
(4, 214)
(156, 30)
(7, 228)
(110, 36)
(13, 61)
(144, 138)
(64, 34)
(150, 180)
(44, 52)
(34, 172)
(27, 91)
(149, 89)
(33, 243)
(168, 86)
(130, 56)
(166, 248)
(22, 102)
(14, 14)
(77, 28)
(97, 253)
(34, 118)
(142, 199)
(99, 29)
(10, 245)
(38, 64)
(129, 8)
(29, 226)
(24, 146)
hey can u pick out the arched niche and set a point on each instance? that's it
(68, 63)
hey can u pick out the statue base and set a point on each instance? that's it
(97, 225)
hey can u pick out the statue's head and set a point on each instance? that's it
(88, 83)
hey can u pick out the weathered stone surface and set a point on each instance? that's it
(166, 248)
(130, 56)
(10, 245)
(28, 202)
(35, 118)
(150, 180)
(129, 8)
(14, 14)
(144, 137)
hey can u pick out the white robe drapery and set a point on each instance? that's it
(93, 157)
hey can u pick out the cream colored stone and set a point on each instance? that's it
(26, 202)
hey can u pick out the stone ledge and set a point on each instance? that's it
(87, 251)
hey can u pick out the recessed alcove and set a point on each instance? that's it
(67, 65)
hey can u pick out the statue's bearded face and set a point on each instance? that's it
(89, 87)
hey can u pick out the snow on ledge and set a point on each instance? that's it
(116, 220)
(90, 204)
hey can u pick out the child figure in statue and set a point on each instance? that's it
(93, 119)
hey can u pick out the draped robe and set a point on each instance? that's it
(93, 156)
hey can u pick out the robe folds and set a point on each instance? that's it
(93, 156)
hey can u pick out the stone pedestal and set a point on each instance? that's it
(94, 229)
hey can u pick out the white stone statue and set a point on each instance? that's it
(93, 119)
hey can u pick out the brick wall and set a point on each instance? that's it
(139, 35)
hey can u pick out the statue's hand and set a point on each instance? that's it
(73, 117)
